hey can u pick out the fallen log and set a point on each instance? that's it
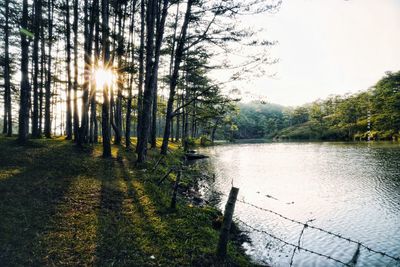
(193, 156)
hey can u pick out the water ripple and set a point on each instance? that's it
(353, 189)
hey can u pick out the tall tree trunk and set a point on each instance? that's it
(193, 122)
(177, 131)
(94, 128)
(120, 52)
(75, 100)
(148, 88)
(171, 66)
(141, 73)
(183, 118)
(88, 35)
(186, 115)
(159, 37)
(35, 58)
(106, 130)
(175, 76)
(130, 96)
(68, 125)
(42, 77)
(7, 126)
(47, 115)
(23, 123)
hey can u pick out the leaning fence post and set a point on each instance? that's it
(226, 223)
(173, 200)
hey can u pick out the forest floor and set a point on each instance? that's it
(61, 206)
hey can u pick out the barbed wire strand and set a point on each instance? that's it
(291, 244)
(323, 230)
(298, 242)
(317, 228)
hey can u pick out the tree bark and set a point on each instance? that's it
(148, 90)
(68, 125)
(128, 122)
(154, 82)
(88, 35)
(47, 115)
(141, 73)
(106, 129)
(7, 126)
(42, 77)
(35, 58)
(94, 128)
(174, 77)
(23, 123)
(120, 52)
(75, 87)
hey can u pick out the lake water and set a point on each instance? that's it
(348, 188)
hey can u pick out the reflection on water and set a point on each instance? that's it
(349, 188)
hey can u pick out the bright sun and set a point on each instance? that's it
(103, 77)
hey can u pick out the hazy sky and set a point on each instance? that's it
(327, 47)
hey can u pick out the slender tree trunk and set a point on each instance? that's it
(120, 53)
(106, 130)
(171, 65)
(186, 120)
(7, 126)
(193, 122)
(35, 58)
(177, 131)
(23, 123)
(42, 77)
(75, 100)
(47, 115)
(148, 90)
(141, 73)
(172, 130)
(130, 96)
(94, 130)
(154, 82)
(88, 35)
(68, 125)
(183, 118)
(174, 78)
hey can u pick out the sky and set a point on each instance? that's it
(326, 47)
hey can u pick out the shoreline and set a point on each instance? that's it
(238, 236)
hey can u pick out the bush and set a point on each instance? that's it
(205, 141)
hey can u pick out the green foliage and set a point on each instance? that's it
(259, 120)
(205, 141)
(336, 118)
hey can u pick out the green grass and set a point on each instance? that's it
(61, 206)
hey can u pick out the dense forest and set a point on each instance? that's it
(111, 70)
(372, 114)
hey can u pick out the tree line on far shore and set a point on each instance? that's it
(372, 114)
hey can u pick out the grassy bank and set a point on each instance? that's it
(63, 206)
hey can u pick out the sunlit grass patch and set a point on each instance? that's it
(74, 226)
(9, 172)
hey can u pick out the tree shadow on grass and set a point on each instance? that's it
(124, 233)
(29, 197)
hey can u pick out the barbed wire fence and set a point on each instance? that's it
(305, 225)
(296, 246)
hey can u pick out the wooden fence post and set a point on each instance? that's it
(173, 200)
(226, 223)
